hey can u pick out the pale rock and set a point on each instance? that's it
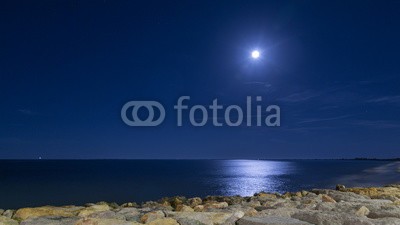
(7, 221)
(131, 214)
(193, 202)
(206, 218)
(9, 213)
(96, 221)
(51, 221)
(199, 208)
(362, 211)
(164, 221)
(330, 218)
(107, 215)
(184, 208)
(216, 205)
(93, 209)
(25, 213)
(271, 220)
(150, 216)
(327, 198)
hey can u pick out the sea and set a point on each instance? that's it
(29, 183)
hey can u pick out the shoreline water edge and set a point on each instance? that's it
(352, 206)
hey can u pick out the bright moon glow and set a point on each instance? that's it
(255, 54)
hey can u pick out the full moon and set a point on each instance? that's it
(255, 54)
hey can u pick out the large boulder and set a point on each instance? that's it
(93, 209)
(25, 213)
(206, 218)
(270, 220)
(131, 214)
(7, 221)
(50, 221)
(96, 221)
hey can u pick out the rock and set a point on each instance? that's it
(199, 208)
(164, 221)
(25, 213)
(298, 194)
(280, 212)
(362, 211)
(376, 192)
(130, 204)
(270, 220)
(287, 195)
(107, 215)
(9, 213)
(114, 205)
(250, 212)
(93, 209)
(304, 193)
(326, 198)
(151, 216)
(265, 195)
(1, 211)
(7, 221)
(51, 221)
(206, 218)
(330, 218)
(192, 202)
(131, 214)
(96, 221)
(216, 205)
(384, 211)
(184, 208)
(340, 187)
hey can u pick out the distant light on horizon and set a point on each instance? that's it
(255, 54)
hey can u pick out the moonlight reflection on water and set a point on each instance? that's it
(246, 177)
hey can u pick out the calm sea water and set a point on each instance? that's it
(61, 182)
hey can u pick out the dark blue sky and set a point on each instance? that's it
(68, 67)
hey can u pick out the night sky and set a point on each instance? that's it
(68, 67)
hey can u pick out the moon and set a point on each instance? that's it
(255, 54)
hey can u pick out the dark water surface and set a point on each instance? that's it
(60, 182)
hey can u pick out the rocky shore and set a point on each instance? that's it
(346, 206)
